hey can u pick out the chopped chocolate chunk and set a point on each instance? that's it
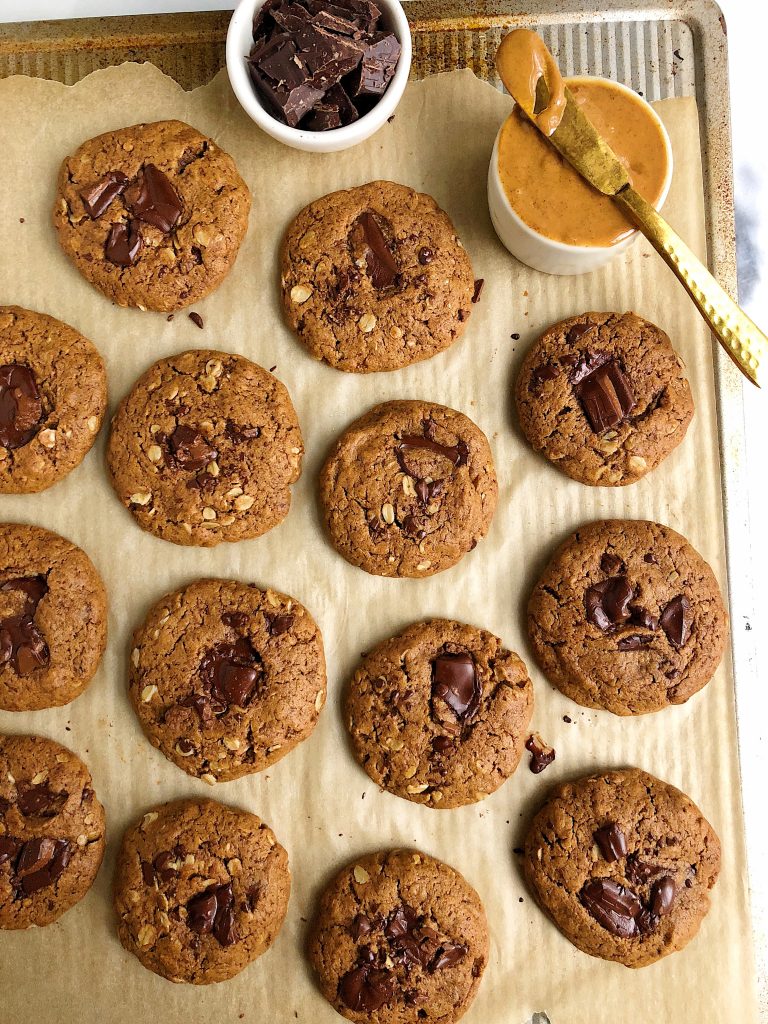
(238, 433)
(154, 200)
(278, 624)
(189, 449)
(377, 67)
(646, 921)
(457, 454)
(650, 557)
(577, 331)
(611, 564)
(212, 912)
(236, 620)
(546, 371)
(39, 862)
(425, 255)
(455, 682)
(21, 408)
(613, 906)
(124, 243)
(677, 620)
(232, 672)
(39, 801)
(642, 617)
(662, 896)
(640, 871)
(611, 841)
(22, 644)
(366, 989)
(360, 927)
(442, 744)
(367, 239)
(196, 319)
(449, 954)
(542, 754)
(479, 284)
(604, 392)
(97, 197)
(634, 642)
(607, 603)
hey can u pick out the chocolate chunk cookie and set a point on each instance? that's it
(408, 489)
(205, 449)
(439, 713)
(201, 890)
(604, 396)
(53, 619)
(53, 395)
(627, 617)
(152, 215)
(623, 864)
(227, 679)
(51, 831)
(399, 938)
(375, 278)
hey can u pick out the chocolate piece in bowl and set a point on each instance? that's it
(319, 66)
(623, 864)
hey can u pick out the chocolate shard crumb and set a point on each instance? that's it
(479, 285)
(196, 319)
(542, 754)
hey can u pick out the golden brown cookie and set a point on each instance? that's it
(152, 215)
(399, 938)
(623, 864)
(53, 619)
(205, 449)
(51, 831)
(53, 395)
(375, 278)
(201, 890)
(439, 713)
(408, 489)
(628, 617)
(604, 397)
(227, 679)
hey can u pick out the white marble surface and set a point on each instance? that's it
(747, 33)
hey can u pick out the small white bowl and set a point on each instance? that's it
(546, 254)
(239, 44)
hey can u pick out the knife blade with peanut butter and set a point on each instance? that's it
(531, 76)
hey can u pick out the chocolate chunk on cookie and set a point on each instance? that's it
(408, 489)
(623, 864)
(375, 278)
(399, 938)
(205, 449)
(604, 397)
(227, 679)
(51, 831)
(152, 215)
(439, 713)
(201, 890)
(53, 396)
(627, 617)
(53, 619)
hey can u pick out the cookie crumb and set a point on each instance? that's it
(196, 319)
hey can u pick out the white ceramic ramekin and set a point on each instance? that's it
(239, 43)
(547, 254)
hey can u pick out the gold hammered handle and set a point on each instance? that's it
(743, 340)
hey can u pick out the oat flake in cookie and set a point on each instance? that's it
(51, 831)
(53, 619)
(205, 449)
(153, 215)
(226, 679)
(408, 489)
(623, 864)
(604, 397)
(627, 617)
(53, 395)
(439, 713)
(399, 938)
(201, 890)
(375, 278)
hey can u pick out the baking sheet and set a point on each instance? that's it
(321, 805)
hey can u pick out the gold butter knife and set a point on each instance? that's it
(576, 138)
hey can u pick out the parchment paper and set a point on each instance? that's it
(320, 803)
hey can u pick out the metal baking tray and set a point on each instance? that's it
(663, 49)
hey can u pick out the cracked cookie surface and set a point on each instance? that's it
(408, 489)
(205, 448)
(623, 864)
(375, 278)
(226, 679)
(439, 713)
(398, 938)
(627, 617)
(160, 238)
(53, 619)
(52, 835)
(201, 890)
(53, 396)
(604, 397)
